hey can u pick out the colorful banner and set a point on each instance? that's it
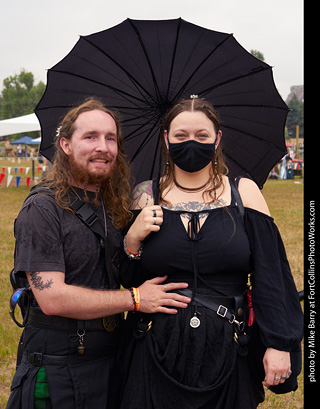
(20, 173)
(10, 177)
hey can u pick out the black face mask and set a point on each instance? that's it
(191, 156)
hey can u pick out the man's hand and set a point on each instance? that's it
(155, 297)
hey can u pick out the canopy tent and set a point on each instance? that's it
(26, 123)
(25, 140)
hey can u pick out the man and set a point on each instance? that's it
(71, 339)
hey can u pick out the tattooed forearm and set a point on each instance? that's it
(37, 282)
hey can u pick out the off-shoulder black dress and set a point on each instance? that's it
(174, 365)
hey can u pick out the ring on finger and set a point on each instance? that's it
(165, 287)
(283, 378)
(276, 378)
(154, 213)
(289, 374)
(154, 220)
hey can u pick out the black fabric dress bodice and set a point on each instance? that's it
(217, 251)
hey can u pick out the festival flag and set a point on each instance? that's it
(28, 181)
(21, 170)
(18, 180)
(2, 177)
(27, 171)
(9, 180)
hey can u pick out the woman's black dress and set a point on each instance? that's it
(176, 366)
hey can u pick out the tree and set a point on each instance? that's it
(257, 54)
(20, 95)
(295, 117)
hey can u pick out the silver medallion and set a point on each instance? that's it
(194, 322)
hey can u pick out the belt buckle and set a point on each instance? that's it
(223, 313)
(109, 323)
(35, 359)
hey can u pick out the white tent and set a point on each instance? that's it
(36, 140)
(26, 123)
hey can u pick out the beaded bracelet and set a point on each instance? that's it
(135, 294)
(130, 254)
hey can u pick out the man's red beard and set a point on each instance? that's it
(83, 176)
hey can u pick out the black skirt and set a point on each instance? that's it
(174, 365)
(85, 382)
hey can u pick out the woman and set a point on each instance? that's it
(196, 358)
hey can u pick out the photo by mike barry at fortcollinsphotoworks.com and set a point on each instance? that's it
(311, 303)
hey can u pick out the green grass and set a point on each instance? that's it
(11, 200)
(285, 200)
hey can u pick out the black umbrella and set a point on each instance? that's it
(142, 67)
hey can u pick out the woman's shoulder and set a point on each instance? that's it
(251, 196)
(142, 195)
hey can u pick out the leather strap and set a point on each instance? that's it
(219, 309)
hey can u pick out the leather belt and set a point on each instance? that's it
(38, 319)
(221, 306)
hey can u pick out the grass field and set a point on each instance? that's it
(285, 200)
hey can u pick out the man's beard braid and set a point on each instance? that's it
(81, 175)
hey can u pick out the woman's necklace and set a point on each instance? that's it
(191, 189)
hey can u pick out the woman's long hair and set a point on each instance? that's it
(218, 165)
(116, 190)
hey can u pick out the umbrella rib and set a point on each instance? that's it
(199, 65)
(250, 106)
(174, 54)
(146, 56)
(134, 81)
(143, 142)
(254, 137)
(239, 77)
(117, 90)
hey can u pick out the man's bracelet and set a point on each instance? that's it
(135, 294)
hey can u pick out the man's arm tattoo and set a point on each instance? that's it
(37, 282)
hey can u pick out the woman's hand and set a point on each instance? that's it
(277, 366)
(149, 220)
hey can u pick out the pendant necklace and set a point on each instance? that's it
(194, 321)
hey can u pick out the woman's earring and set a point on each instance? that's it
(167, 161)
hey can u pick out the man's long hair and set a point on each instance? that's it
(115, 191)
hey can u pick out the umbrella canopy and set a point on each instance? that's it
(143, 67)
(25, 140)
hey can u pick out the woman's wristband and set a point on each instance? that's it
(130, 254)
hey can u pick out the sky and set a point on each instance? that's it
(36, 34)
